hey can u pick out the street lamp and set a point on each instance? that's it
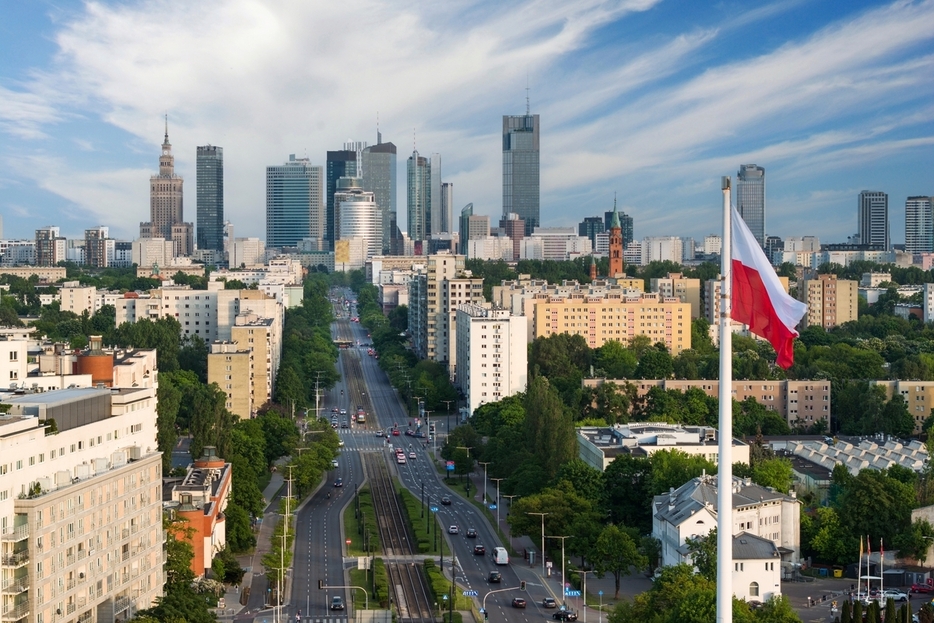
(564, 588)
(484, 464)
(542, 554)
(497, 498)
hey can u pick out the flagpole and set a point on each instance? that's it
(725, 463)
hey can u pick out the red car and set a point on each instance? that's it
(922, 588)
(395, 432)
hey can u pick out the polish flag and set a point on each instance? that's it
(759, 300)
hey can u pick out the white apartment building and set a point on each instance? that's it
(632, 254)
(491, 354)
(77, 298)
(661, 248)
(13, 360)
(246, 252)
(554, 243)
(927, 302)
(147, 252)
(490, 248)
(81, 508)
(712, 244)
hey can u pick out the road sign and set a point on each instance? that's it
(470, 593)
(347, 541)
(434, 509)
(571, 593)
(449, 466)
(492, 507)
(600, 593)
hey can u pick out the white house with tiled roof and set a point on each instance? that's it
(691, 511)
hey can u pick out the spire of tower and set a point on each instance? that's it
(614, 223)
(166, 127)
(379, 137)
(527, 107)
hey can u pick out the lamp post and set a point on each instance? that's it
(497, 498)
(510, 498)
(448, 405)
(564, 588)
(542, 554)
(468, 449)
(601, 607)
(484, 464)
(428, 427)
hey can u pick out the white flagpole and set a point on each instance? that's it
(725, 464)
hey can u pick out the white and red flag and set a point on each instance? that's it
(758, 298)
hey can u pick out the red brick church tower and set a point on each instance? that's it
(616, 246)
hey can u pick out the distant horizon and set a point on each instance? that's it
(652, 100)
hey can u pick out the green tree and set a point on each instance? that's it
(673, 468)
(776, 473)
(655, 363)
(703, 551)
(549, 429)
(614, 361)
(627, 487)
(616, 552)
(169, 400)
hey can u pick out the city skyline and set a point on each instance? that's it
(653, 99)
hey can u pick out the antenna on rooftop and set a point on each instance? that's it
(527, 107)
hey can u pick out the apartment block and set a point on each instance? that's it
(800, 403)
(264, 340)
(80, 508)
(676, 285)
(231, 367)
(830, 301)
(491, 354)
(46, 274)
(201, 499)
(918, 395)
(615, 316)
(77, 298)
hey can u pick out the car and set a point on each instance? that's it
(453, 530)
(445, 501)
(479, 550)
(518, 602)
(395, 432)
(379, 433)
(921, 588)
(564, 615)
(334, 463)
(344, 424)
(471, 533)
(333, 423)
(343, 411)
(339, 482)
(549, 602)
(894, 593)
(335, 410)
(340, 443)
(411, 455)
(495, 577)
(337, 602)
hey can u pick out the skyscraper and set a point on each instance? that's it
(340, 164)
(750, 199)
(446, 225)
(418, 196)
(625, 224)
(210, 208)
(166, 214)
(379, 178)
(919, 225)
(874, 219)
(294, 202)
(590, 227)
(357, 215)
(521, 193)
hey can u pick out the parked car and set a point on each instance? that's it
(518, 602)
(453, 530)
(471, 533)
(549, 602)
(896, 594)
(921, 588)
(445, 501)
(564, 615)
(495, 577)
(337, 602)
(479, 549)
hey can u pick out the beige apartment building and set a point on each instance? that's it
(677, 286)
(49, 274)
(258, 335)
(800, 403)
(231, 367)
(80, 509)
(918, 395)
(830, 301)
(616, 316)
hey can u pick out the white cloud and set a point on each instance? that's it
(23, 114)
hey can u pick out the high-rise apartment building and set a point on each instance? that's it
(831, 301)
(98, 247)
(750, 199)
(166, 214)
(294, 202)
(50, 246)
(874, 219)
(342, 163)
(418, 196)
(379, 178)
(521, 169)
(357, 215)
(210, 207)
(491, 353)
(919, 225)
(590, 227)
(685, 289)
(230, 365)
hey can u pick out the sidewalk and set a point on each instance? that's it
(255, 576)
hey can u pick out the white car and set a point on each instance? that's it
(334, 463)
(893, 593)
(453, 530)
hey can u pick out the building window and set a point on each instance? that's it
(754, 589)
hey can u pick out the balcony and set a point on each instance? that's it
(15, 612)
(85, 616)
(17, 533)
(70, 607)
(122, 603)
(15, 560)
(15, 586)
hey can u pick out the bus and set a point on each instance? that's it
(361, 415)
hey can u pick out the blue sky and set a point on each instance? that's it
(651, 99)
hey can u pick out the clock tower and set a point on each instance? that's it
(166, 214)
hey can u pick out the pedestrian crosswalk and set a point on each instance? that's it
(307, 619)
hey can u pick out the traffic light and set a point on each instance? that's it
(486, 615)
(320, 584)
(522, 585)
